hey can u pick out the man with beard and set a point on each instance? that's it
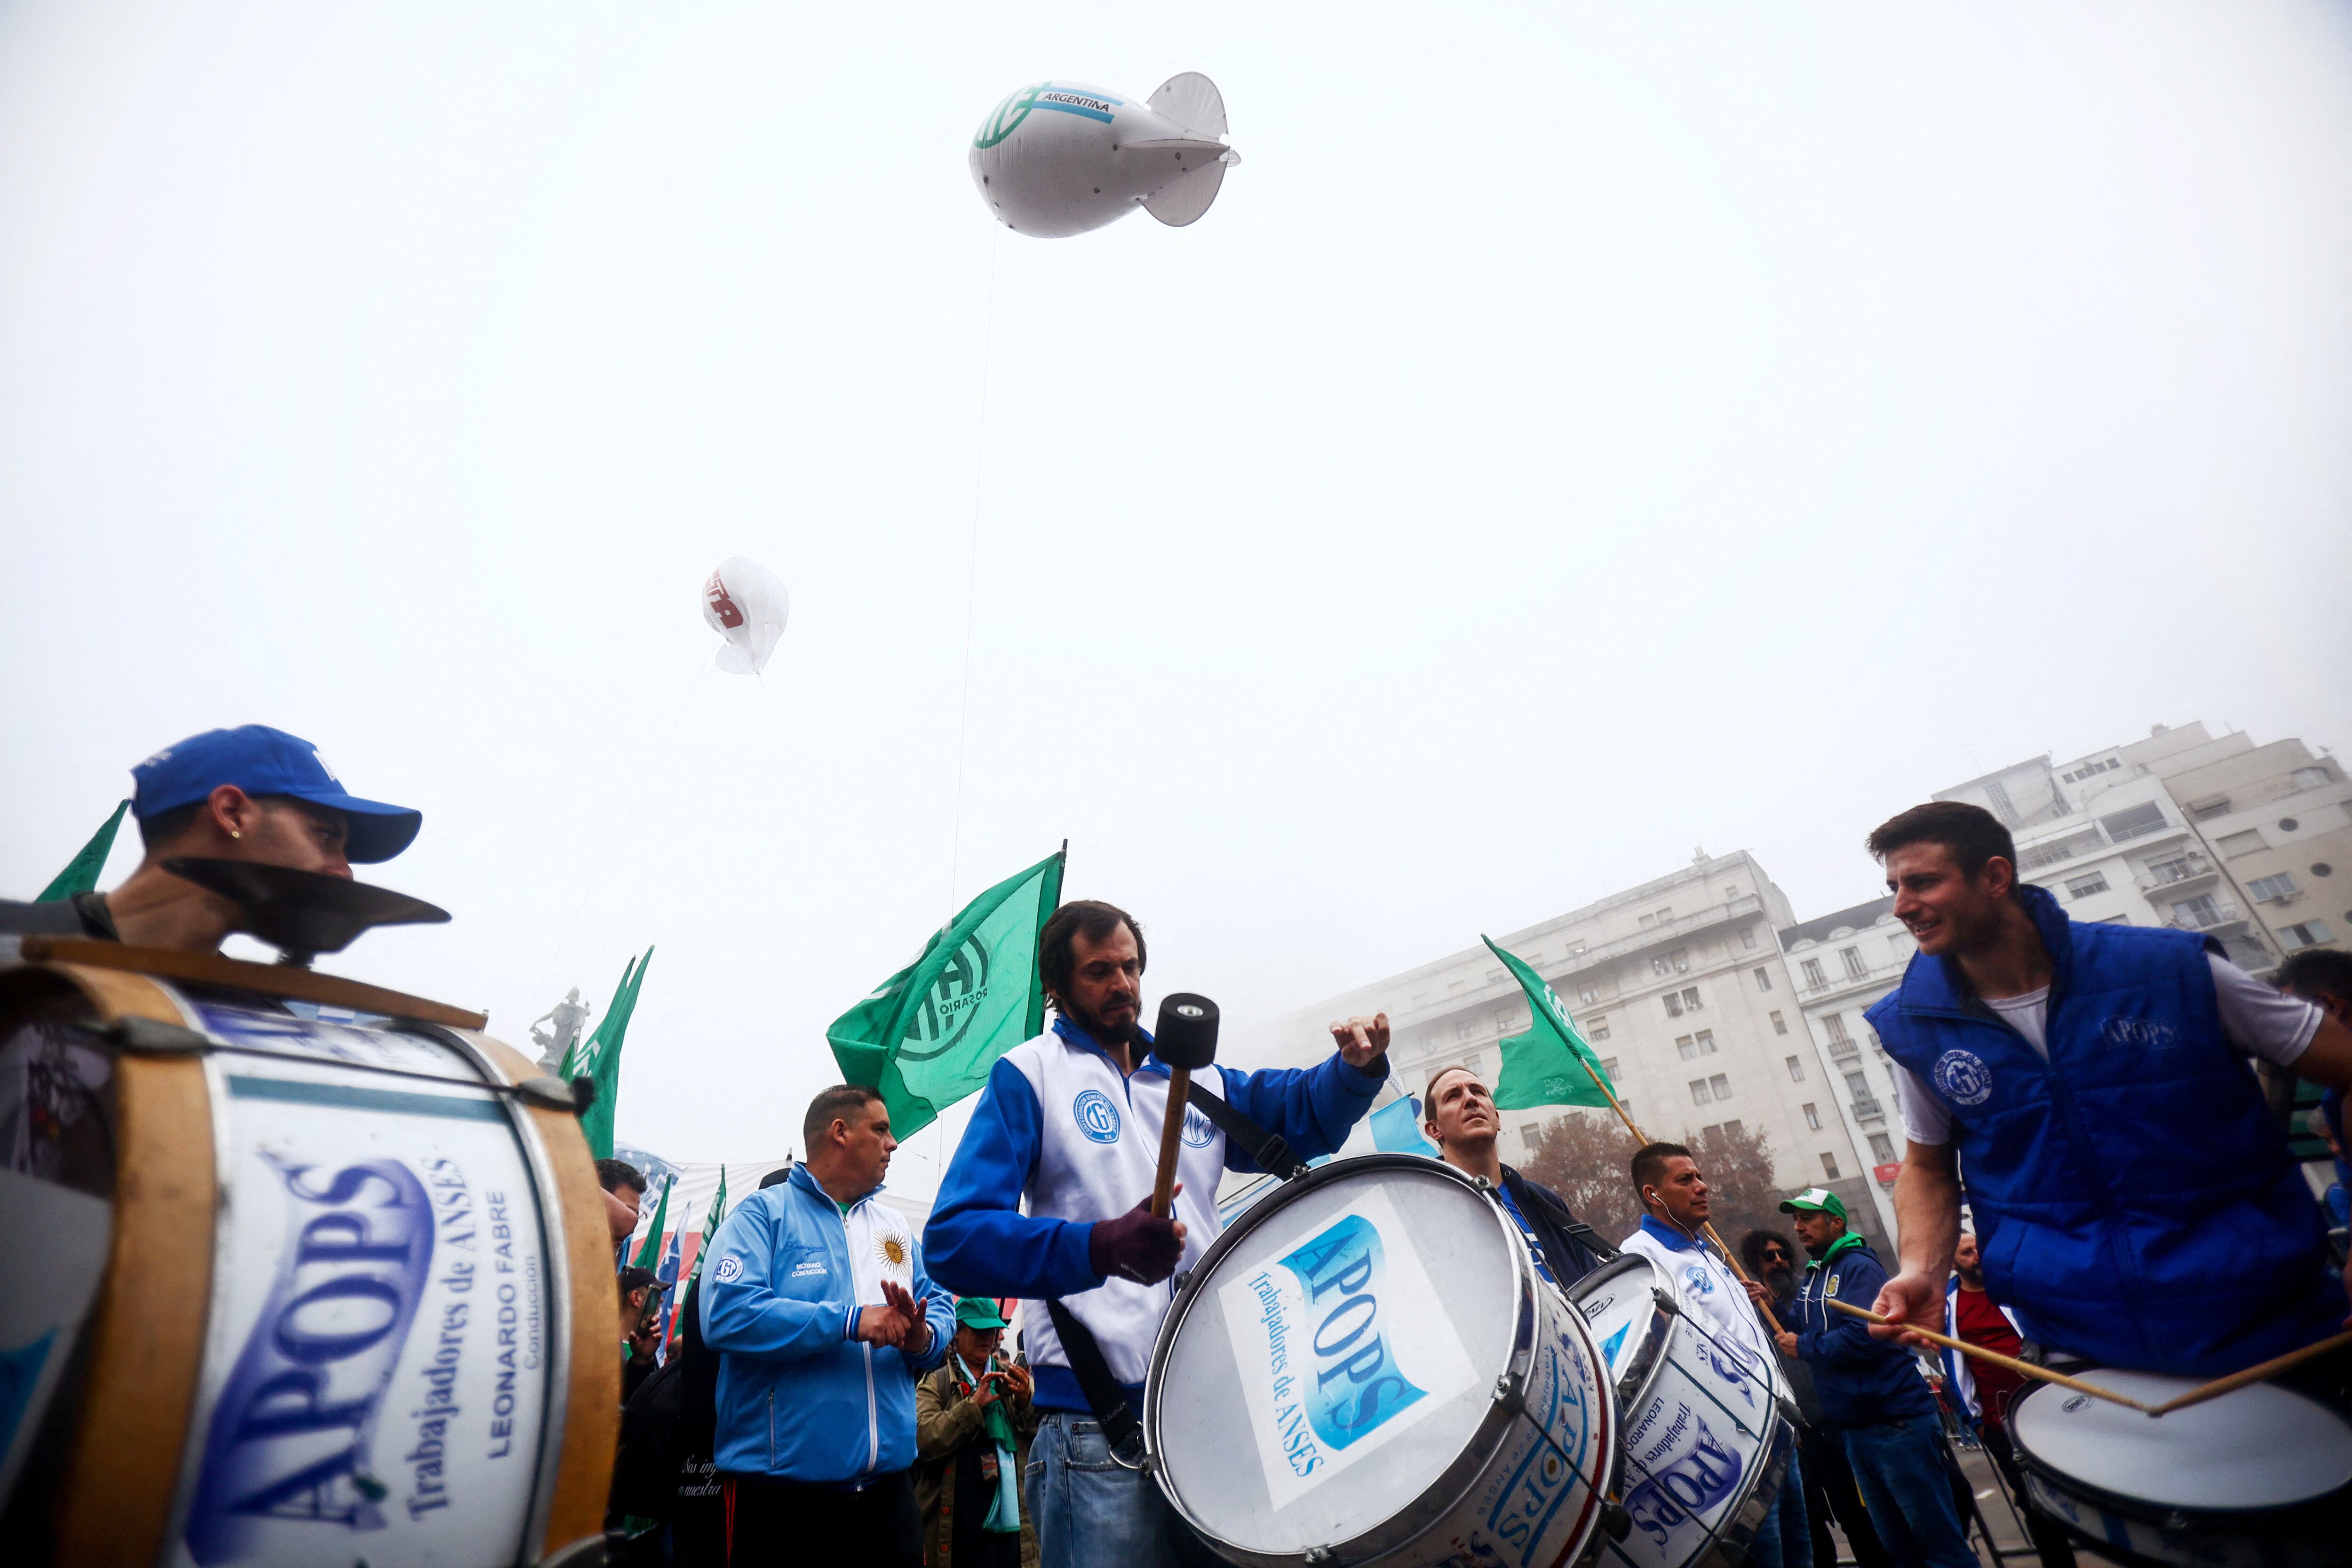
(2135, 1197)
(1982, 1391)
(1830, 1491)
(1463, 1123)
(1048, 1199)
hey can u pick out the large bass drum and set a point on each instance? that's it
(1366, 1367)
(1706, 1439)
(2257, 1477)
(289, 1290)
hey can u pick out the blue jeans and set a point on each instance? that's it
(1784, 1540)
(1089, 1510)
(1899, 1465)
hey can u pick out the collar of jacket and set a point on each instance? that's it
(1672, 1237)
(1073, 1034)
(802, 1179)
(1942, 986)
(1838, 1248)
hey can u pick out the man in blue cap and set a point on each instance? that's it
(248, 794)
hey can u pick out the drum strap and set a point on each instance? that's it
(1105, 1397)
(1269, 1151)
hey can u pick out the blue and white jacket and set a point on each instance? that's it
(1704, 1276)
(1061, 1139)
(800, 1397)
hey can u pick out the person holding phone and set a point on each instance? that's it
(973, 1420)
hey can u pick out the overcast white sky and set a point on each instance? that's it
(1578, 433)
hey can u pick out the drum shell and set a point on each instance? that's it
(2308, 1534)
(132, 1426)
(1680, 1391)
(1467, 1514)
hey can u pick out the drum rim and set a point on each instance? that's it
(2272, 1517)
(1455, 1482)
(1654, 1338)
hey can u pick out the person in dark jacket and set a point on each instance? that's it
(665, 1474)
(973, 1420)
(1871, 1392)
(1459, 1113)
(2134, 1197)
(1830, 1491)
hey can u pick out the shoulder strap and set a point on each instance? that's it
(1105, 1397)
(1268, 1151)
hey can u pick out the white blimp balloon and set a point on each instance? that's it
(1061, 158)
(748, 605)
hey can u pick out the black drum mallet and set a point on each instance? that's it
(1186, 1039)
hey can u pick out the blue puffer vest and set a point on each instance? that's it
(2134, 1198)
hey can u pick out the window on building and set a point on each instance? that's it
(1609, 1065)
(1828, 1164)
(1855, 969)
(1699, 1095)
(2198, 913)
(1763, 980)
(1665, 914)
(1680, 959)
(2272, 890)
(1747, 939)
(1835, 1024)
(1859, 1087)
(1690, 997)
(1673, 1005)
(1733, 1127)
(1813, 975)
(2322, 868)
(2083, 887)
(1647, 921)
(1882, 1148)
(1779, 1025)
(2175, 868)
(2233, 845)
(2310, 934)
(1465, 1029)
(1721, 1084)
(1710, 1130)
(1596, 1028)
(2313, 778)
(1813, 1117)
(2034, 856)
(1529, 1133)
(1471, 1061)
(1796, 1069)
(1660, 966)
(1589, 992)
(1687, 1047)
(2288, 825)
(2134, 821)
(1706, 1042)
(1503, 1016)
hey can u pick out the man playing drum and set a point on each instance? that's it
(1462, 1122)
(247, 793)
(2134, 1197)
(1049, 1195)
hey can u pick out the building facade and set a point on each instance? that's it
(1680, 987)
(1839, 964)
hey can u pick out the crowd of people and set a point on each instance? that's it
(839, 1389)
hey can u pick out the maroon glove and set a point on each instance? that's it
(1135, 1245)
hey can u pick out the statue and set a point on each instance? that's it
(567, 1016)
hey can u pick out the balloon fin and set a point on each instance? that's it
(1191, 101)
(1185, 199)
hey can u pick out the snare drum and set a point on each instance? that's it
(1367, 1366)
(1705, 1441)
(323, 1292)
(2260, 1476)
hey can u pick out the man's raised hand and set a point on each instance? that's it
(1908, 1298)
(881, 1325)
(915, 1338)
(1362, 1040)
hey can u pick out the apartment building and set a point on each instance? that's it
(1839, 964)
(1679, 986)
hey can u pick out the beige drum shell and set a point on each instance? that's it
(133, 1432)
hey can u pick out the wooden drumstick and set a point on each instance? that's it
(2024, 1368)
(1186, 1039)
(2237, 1380)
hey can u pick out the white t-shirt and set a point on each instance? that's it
(2256, 1019)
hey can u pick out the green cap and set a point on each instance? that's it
(1815, 1199)
(979, 1312)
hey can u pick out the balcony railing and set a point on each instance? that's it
(1866, 1108)
(2219, 913)
(2175, 873)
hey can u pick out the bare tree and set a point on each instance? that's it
(1587, 1156)
(1737, 1165)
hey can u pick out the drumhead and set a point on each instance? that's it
(1338, 1356)
(1619, 1300)
(2260, 1447)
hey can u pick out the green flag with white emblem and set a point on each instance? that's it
(1550, 1064)
(928, 1035)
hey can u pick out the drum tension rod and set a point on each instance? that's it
(1513, 1398)
(153, 1037)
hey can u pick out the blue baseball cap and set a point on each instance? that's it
(259, 760)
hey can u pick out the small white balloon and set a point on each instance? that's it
(1060, 158)
(747, 605)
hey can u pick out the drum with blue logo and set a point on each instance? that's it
(1367, 1367)
(1705, 1437)
(330, 1286)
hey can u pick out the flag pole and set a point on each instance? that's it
(1584, 1060)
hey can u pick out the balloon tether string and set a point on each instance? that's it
(971, 570)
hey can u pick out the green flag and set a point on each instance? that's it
(599, 1057)
(928, 1035)
(1549, 1064)
(652, 1249)
(81, 873)
(710, 1230)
